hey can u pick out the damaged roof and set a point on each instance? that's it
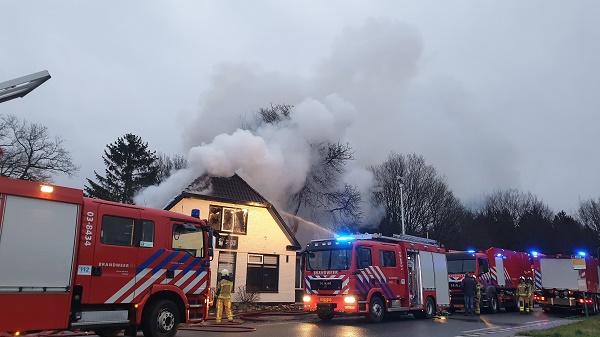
(230, 189)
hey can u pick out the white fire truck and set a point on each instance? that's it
(371, 274)
(70, 262)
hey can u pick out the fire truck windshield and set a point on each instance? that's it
(461, 266)
(188, 238)
(332, 259)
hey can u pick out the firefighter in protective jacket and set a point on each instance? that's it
(224, 296)
(522, 294)
(530, 292)
(477, 298)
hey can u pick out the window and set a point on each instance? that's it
(215, 217)
(146, 234)
(387, 258)
(263, 273)
(483, 266)
(461, 266)
(364, 257)
(226, 262)
(332, 259)
(117, 230)
(226, 219)
(189, 238)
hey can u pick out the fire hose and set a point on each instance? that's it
(237, 326)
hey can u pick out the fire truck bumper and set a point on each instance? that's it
(346, 304)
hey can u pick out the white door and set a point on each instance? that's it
(500, 271)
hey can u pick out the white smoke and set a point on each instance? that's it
(371, 92)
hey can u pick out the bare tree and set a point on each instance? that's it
(29, 152)
(168, 164)
(322, 190)
(589, 214)
(428, 202)
(516, 203)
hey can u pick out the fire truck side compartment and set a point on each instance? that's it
(559, 274)
(37, 242)
(442, 292)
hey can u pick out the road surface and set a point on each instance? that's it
(498, 325)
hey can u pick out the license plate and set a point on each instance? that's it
(325, 299)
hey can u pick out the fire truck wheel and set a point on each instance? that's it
(161, 319)
(429, 310)
(493, 305)
(376, 309)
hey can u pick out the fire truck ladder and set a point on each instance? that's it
(396, 238)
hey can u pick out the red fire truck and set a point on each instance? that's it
(70, 262)
(567, 282)
(371, 274)
(497, 270)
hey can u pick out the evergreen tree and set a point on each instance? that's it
(130, 166)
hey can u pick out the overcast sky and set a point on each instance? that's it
(494, 94)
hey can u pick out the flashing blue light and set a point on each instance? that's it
(344, 238)
(499, 255)
(581, 253)
(534, 253)
(471, 251)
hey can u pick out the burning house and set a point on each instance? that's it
(252, 240)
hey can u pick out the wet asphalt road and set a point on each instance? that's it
(498, 325)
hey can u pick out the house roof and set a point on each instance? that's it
(233, 190)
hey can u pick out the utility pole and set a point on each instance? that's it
(401, 183)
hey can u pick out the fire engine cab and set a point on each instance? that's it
(371, 274)
(497, 271)
(70, 262)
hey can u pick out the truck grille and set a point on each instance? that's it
(326, 284)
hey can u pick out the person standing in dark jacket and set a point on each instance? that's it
(469, 285)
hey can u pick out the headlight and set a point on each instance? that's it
(306, 298)
(349, 299)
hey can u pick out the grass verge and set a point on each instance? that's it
(586, 328)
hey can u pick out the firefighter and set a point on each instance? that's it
(477, 298)
(224, 296)
(522, 294)
(530, 292)
(468, 288)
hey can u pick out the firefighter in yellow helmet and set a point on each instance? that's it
(225, 288)
(530, 292)
(522, 294)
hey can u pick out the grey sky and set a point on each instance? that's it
(501, 94)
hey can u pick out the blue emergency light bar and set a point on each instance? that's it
(471, 251)
(344, 238)
(534, 253)
(581, 253)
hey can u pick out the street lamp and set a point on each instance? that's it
(21, 86)
(401, 184)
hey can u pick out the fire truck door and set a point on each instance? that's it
(500, 271)
(391, 273)
(114, 268)
(414, 278)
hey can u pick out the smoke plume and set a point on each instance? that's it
(373, 90)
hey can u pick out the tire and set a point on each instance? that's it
(429, 311)
(376, 310)
(493, 306)
(325, 316)
(161, 319)
(108, 332)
